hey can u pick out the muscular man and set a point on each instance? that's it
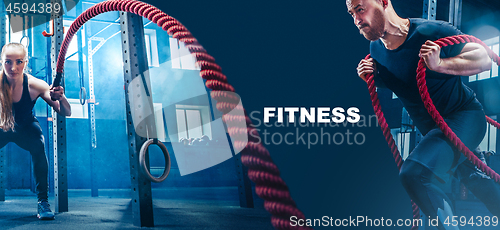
(18, 94)
(396, 46)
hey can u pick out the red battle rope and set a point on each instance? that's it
(422, 87)
(261, 169)
(388, 136)
(429, 105)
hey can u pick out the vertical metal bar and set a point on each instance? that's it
(2, 168)
(8, 156)
(429, 10)
(50, 124)
(244, 185)
(32, 178)
(29, 32)
(91, 105)
(79, 9)
(457, 17)
(50, 147)
(59, 128)
(91, 90)
(497, 144)
(4, 27)
(3, 34)
(94, 188)
(135, 66)
(28, 27)
(425, 9)
(451, 13)
(415, 138)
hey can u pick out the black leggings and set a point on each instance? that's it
(30, 138)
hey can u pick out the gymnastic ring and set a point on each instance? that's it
(142, 160)
(27, 42)
(83, 95)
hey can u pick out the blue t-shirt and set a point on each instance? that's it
(397, 72)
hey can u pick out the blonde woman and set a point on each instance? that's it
(18, 94)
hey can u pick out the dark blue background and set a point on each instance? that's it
(293, 53)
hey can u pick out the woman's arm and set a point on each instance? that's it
(61, 104)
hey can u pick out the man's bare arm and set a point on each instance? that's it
(473, 59)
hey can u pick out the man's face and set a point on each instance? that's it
(368, 17)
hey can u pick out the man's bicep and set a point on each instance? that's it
(452, 51)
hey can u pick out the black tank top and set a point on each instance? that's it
(23, 110)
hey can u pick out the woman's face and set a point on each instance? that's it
(14, 61)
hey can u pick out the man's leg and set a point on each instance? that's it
(426, 166)
(434, 158)
(419, 183)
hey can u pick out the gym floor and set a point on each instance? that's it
(215, 208)
(179, 209)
